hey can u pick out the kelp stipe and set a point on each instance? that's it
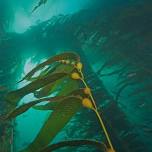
(91, 104)
(68, 101)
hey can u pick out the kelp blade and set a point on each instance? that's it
(48, 89)
(55, 123)
(70, 143)
(63, 56)
(53, 102)
(50, 69)
(67, 89)
(48, 106)
(53, 105)
(14, 96)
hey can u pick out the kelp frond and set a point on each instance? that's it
(70, 143)
(65, 79)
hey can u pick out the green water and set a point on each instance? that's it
(113, 39)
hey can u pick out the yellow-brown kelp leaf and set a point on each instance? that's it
(51, 105)
(64, 67)
(21, 109)
(48, 106)
(82, 142)
(14, 96)
(45, 72)
(70, 88)
(63, 56)
(78, 92)
(45, 91)
(55, 123)
(62, 86)
(50, 88)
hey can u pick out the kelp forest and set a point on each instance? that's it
(78, 81)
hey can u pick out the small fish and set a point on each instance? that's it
(142, 105)
(131, 75)
(41, 2)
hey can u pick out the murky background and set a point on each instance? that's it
(114, 40)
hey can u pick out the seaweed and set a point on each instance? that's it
(120, 39)
(72, 143)
(64, 105)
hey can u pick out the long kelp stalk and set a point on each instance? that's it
(65, 106)
(79, 67)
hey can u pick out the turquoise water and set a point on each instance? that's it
(113, 39)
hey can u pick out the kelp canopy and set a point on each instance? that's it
(114, 41)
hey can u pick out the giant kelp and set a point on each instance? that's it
(113, 41)
(65, 104)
